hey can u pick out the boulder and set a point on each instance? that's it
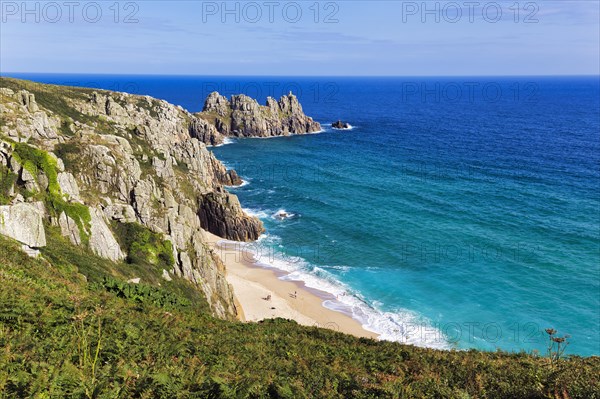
(123, 213)
(31, 252)
(29, 181)
(231, 178)
(166, 276)
(23, 222)
(27, 100)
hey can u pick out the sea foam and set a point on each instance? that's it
(226, 140)
(400, 325)
(244, 183)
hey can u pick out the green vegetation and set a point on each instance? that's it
(54, 98)
(70, 153)
(71, 326)
(67, 336)
(7, 180)
(143, 293)
(65, 128)
(143, 246)
(35, 160)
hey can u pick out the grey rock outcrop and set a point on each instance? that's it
(23, 222)
(231, 178)
(217, 104)
(26, 119)
(102, 240)
(221, 214)
(340, 125)
(134, 159)
(68, 185)
(29, 181)
(69, 228)
(27, 100)
(242, 116)
(166, 275)
(205, 132)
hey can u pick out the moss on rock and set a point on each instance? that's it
(34, 161)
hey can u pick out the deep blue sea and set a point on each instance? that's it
(457, 212)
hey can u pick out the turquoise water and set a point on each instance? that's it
(462, 226)
(469, 222)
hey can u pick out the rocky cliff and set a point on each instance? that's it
(88, 161)
(242, 116)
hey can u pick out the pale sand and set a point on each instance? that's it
(252, 283)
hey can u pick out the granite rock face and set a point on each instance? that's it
(231, 178)
(205, 132)
(23, 222)
(242, 116)
(102, 240)
(221, 214)
(123, 159)
(69, 229)
(32, 122)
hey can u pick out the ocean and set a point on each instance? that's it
(456, 213)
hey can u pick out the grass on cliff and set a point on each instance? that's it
(7, 181)
(35, 161)
(54, 98)
(143, 246)
(69, 336)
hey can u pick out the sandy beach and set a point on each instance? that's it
(261, 294)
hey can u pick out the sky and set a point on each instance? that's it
(302, 38)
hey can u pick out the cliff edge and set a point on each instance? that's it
(99, 165)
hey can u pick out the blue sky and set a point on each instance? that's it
(290, 38)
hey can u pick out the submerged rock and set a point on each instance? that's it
(282, 215)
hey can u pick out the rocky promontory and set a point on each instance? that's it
(92, 164)
(242, 116)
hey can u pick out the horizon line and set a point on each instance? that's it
(6, 74)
